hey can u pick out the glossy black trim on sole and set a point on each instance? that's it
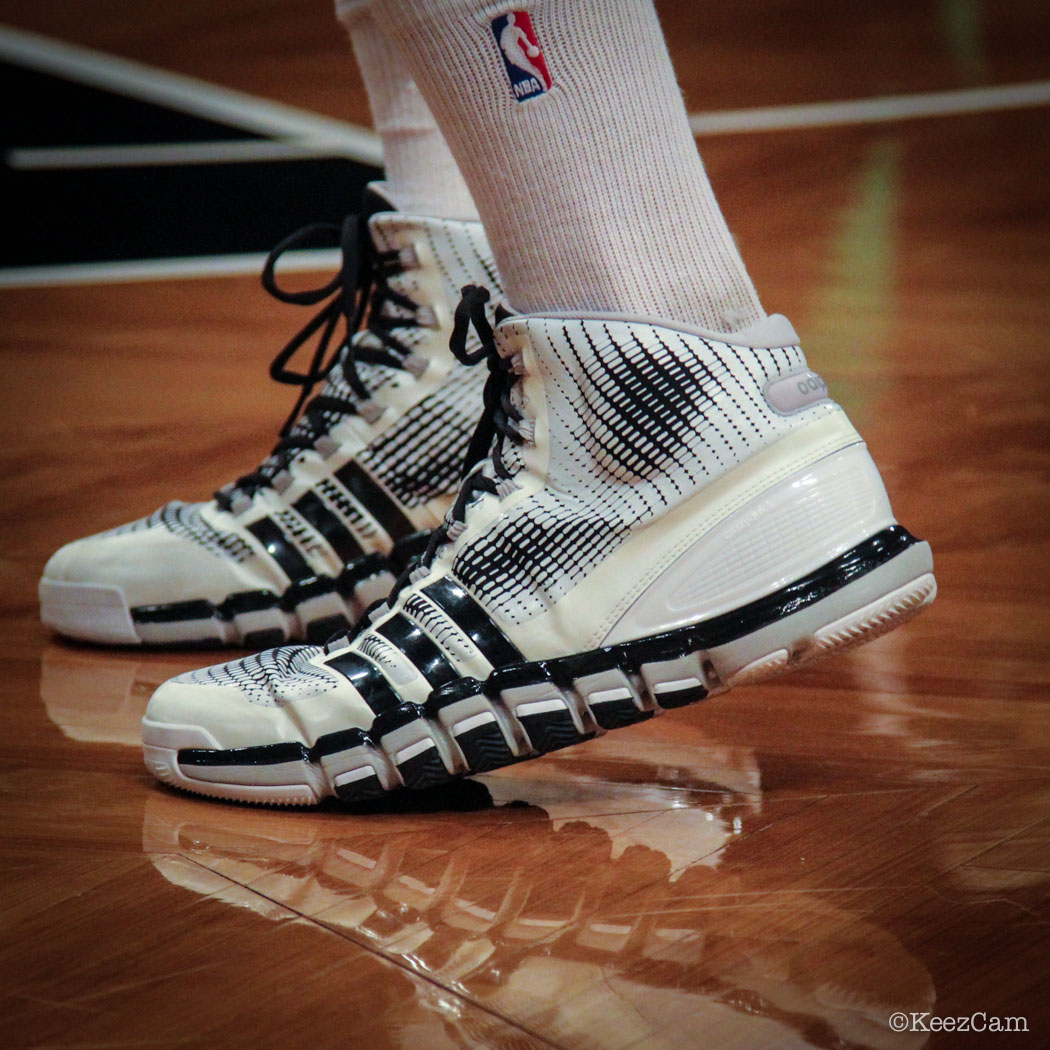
(486, 747)
(276, 754)
(345, 585)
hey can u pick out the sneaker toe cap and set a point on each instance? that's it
(188, 713)
(150, 567)
(284, 695)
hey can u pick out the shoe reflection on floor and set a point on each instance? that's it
(540, 917)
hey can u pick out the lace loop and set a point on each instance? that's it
(498, 423)
(470, 310)
(499, 414)
(312, 236)
(358, 291)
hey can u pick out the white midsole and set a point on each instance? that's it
(99, 612)
(94, 612)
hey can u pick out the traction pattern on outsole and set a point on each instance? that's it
(878, 618)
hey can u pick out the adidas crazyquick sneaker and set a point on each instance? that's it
(665, 513)
(298, 547)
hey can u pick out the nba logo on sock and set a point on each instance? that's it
(522, 56)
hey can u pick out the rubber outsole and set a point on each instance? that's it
(528, 710)
(90, 612)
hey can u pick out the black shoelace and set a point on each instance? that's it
(498, 423)
(358, 294)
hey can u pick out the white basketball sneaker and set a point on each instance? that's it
(298, 547)
(666, 513)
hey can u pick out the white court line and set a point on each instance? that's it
(873, 110)
(165, 269)
(307, 134)
(187, 94)
(166, 154)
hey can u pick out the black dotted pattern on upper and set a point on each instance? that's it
(421, 456)
(301, 534)
(268, 678)
(446, 634)
(386, 657)
(184, 519)
(640, 418)
(346, 506)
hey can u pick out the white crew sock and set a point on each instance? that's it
(592, 193)
(421, 176)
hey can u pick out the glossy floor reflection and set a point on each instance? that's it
(658, 921)
(785, 866)
(630, 893)
(620, 949)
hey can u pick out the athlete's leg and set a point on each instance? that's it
(421, 176)
(592, 191)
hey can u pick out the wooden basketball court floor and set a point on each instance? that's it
(788, 866)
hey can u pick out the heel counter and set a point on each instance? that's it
(788, 530)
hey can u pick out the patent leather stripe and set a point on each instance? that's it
(452, 598)
(355, 573)
(202, 609)
(262, 755)
(340, 740)
(367, 679)
(418, 647)
(175, 612)
(280, 548)
(375, 500)
(276, 754)
(312, 509)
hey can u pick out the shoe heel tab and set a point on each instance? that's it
(772, 331)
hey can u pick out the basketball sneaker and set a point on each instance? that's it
(299, 546)
(663, 513)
